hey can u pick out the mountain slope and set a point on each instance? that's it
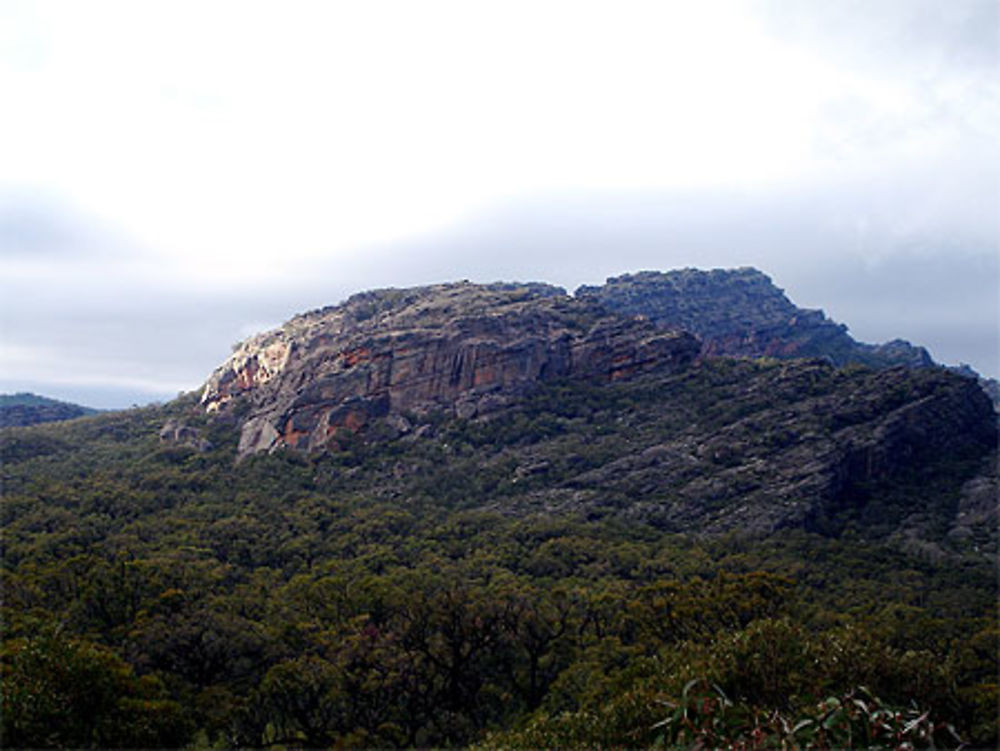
(534, 518)
(415, 587)
(725, 445)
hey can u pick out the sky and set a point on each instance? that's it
(175, 176)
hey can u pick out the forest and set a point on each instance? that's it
(407, 591)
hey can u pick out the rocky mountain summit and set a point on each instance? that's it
(468, 349)
(463, 348)
(741, 312)
(676, 432)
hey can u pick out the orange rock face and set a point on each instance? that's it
(455, 347)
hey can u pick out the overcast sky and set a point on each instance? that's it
(176, 176)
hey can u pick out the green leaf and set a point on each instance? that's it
(833, 718)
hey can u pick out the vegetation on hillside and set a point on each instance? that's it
(456, 584)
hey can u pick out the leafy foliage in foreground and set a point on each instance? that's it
(387, 595)
(704, 717)
(771, 685)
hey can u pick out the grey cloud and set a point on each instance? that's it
(38, 227)
(945, 301)
(891, 34)
(960, 32)
(148, 342)
(932, 282)
(892, 250)
(935, 285)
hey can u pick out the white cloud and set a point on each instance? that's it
(232, 148)
(48, 365)
(243, 137)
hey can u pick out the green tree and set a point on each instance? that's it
(60, 691)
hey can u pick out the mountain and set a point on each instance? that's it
(740, 312)
(726, 445)
(502, 515)
(461, 348)
(467, 349)
(30, 409)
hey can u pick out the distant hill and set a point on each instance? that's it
(17, 410)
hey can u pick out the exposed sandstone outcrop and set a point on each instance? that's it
(176, 433)
(459, 347)
(714, 445)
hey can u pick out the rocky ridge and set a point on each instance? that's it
(740, 312)
(742, 445)
(673, 439)
(463, 348)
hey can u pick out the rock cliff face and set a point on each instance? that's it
(740, 312)
(754, 447)
(578, 406)
(463, 348)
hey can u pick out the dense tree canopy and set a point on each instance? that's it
(385, 594)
